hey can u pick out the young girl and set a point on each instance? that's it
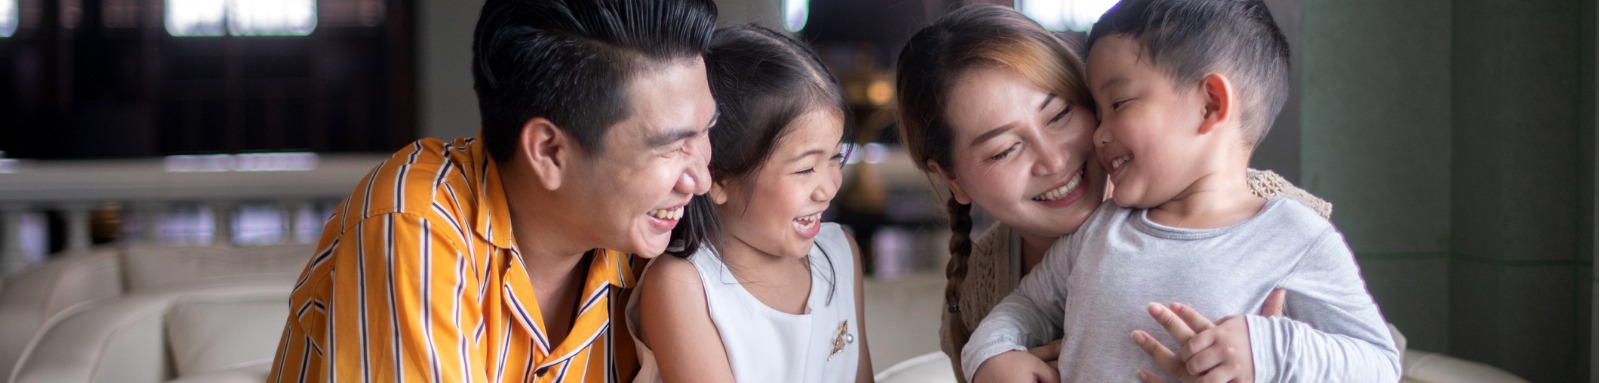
(775, 294)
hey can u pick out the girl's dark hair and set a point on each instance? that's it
(570, 61)
(763, 80)
(969, 38)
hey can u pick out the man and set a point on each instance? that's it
(502, 258)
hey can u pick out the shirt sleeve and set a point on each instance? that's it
(1337, 332)
(1030, 316)
(399, 302)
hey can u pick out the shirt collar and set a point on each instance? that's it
(494, 213)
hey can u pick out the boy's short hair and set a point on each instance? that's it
(570, 61)
(1188, 39)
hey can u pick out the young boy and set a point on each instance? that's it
(1185, 89)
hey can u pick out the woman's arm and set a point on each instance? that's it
(676, 325)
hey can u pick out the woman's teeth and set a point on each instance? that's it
(1062, 191)
(674, 213)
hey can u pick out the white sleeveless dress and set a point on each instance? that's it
(767, 345)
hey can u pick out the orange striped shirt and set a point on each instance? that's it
(417, 279)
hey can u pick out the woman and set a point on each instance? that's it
(997, 108)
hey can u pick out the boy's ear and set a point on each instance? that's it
(949, 179)
(1218, 99)
(547, 151)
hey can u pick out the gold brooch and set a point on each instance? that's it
(841, 339)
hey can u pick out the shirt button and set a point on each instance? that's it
(540, 372)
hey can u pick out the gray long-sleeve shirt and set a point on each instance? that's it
(1095, 285)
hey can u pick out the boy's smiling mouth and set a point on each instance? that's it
(1114, 166)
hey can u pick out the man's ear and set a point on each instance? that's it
(949, 179)
(1217, 97)
(547, 150)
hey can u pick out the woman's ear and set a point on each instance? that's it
(546, 149)
(1217, 100)
(949, 179)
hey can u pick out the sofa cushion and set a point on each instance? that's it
(31, 298)
(123, 340)
(147, 267)
(210, 334)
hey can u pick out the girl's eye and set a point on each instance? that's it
(1006, 153)
(807, 171)
(1118, 105)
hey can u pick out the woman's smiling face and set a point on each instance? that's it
(1021, 152)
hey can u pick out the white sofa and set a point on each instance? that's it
(35, 299)
(196, 331)
(903, 326)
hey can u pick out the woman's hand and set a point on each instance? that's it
(1048, 353)
(1212, 352)
(1014, 367)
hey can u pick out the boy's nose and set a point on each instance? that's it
(1102, 136)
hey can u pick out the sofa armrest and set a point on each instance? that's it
(123, 340)
(30, 299)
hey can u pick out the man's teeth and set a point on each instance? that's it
(1062, 191)
(1119, 161)
(674, 213)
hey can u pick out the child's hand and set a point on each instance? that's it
(1015, 366)
(1222, 353)
(1212, 353)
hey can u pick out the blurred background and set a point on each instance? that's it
(1456, 139)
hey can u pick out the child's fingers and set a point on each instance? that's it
(1203, 361)
(1273, 307)
(1196, 322)
(1159, 353)
(1176, 326)
(1199, 342)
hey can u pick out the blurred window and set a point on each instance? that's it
(241, 17)
(795, 13)
(1062, 15)
(8, 17)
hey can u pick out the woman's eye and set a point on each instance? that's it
(1005, 153)
(807, 171)
(1063, 114)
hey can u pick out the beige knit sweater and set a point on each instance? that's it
(989, 268)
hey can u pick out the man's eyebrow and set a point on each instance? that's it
(669, 137)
